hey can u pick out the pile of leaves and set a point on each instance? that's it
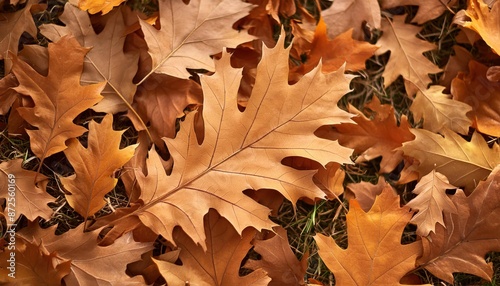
(171, 138)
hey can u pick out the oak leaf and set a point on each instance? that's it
(456, 63)
(90, 264)
(427, 9)
(365, 193)
(244, 150)
(484, 21)
(334, 53)
(94, 166)
(106, 61)
(32, 263)
(58, 97)
(278, 260)
(482, 95)
(350, 14)
(219, 264)
(440, 111)
(407, 57)
(472, 232)
(96, 6)
(374, 255)
(13, 26)
(372, 138)
(30, 199)
(431, 201)
(464, 163)
(189, 34)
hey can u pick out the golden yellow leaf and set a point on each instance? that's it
(96, 6)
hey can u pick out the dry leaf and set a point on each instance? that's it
(463, 163)
(472, 232)
(407, 57)
(440, 111)
(219, 264)
(96, 6)
(58, 97)
(244, 150)
(484, 21)
(280, 7)
(431, 201)
(350, 14)
(189, 34)
(32, 263)
(427, 9)
(373, 138)
(365, 193)
(335, 53)
(374, 255)
(482, 95)
(278, 260)
(7, 94)
(13, 26)
(457, 63)
(106, 61)
(90, 264)
(28, 198)
(94, 166)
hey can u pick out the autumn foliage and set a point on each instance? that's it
(205, 115)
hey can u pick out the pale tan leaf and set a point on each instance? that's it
(427, 9)
(431, 201)
(464, 163)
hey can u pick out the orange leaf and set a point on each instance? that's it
(431, 201)
(58, 97)
(94, 166)
(472, 232)
(278, 260)
(219, 264)
(96, 6)
(482, 95)
(30, 199)
(106, 61)
(375, 255)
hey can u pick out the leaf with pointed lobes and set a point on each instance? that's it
(427, 9)
(219, 264)
(58, 97)
(483, 20)
(243, 150)
(431, 201)
(278, 260)
(96, 6)
(191, 33)
(463, 162)
(374, 255)
(471, 233)
(482, 95)
(94, 166)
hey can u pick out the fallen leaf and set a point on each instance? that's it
(472, 232)
(374, 255)
(278, 260)
(94, 166)
(219, 264)
(350, 14)
(484, 21)
(407, 57)
(106, 61)
(372, 138)
(58, 97)
(431, 201)
(244, 150)
(189, 34)
(32, 265)
(440, 111)
(13, 26)
(275, 8)
(482, 95)
(94, 6)
(427, 9)
(464, 163)
(7, 94)
(90, 264)
(365, 193)
(23, 196)
(335, 53)
(456, 63)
